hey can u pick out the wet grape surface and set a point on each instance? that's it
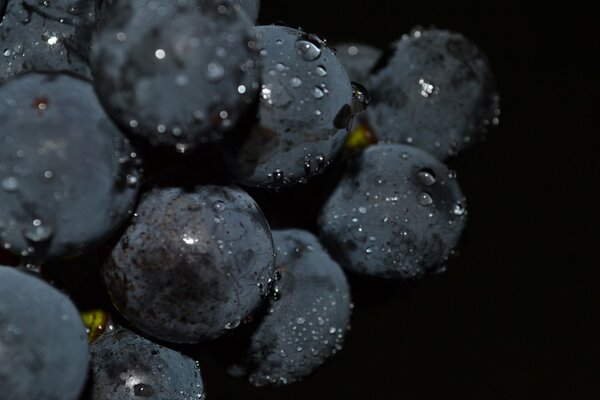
(513, 314)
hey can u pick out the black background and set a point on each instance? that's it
(513, 317)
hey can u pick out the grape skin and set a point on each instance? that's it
(306, 322)
(35, 39)
(43, 343)
(304, 112)
(397, 213)
(68, 176)
(175, 73)
(127, 366)
(436, 92)
(192, 265)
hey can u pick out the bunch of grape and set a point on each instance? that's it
(148, 136)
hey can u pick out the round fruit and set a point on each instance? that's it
(397, 213)
(177, 73)
(192, 265)
(436, 92)
(68, 177)
(43, 344)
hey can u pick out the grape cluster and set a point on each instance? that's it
(146, 137)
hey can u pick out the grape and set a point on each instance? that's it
(127, 366)
(76, 13)
(396, 213)
(358, 59)
(193, 264)
(46, 36)
(175, 73)
(436, 92)
(251, 7)
(307, 322)
(68, 178)
(306, 106)
(43, 344)
(88, 87)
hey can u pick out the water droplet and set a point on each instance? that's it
(321, 71)
(131, 180)
(219, 206)
(307, 167)
(277, 175)
(160, 54)
(318, 92)
(300, 320)
(362, 210)
(426, 177)
(459, 209)
(427, 89)
(10, 184)
(360, 98)
(181, 148)
(143, 390)
(296, 82)
(214, 72)
(37, 232)
(425, 199)
(320, 162)
(266, 95)
(307, 50)
(276, 293)
(233, 324)
(280, 67)
(352, 51)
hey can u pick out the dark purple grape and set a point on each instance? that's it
(43, 343)
(306, 106)
(308, 318)
(397, 213)
(68, 177)
(358, 59)
(46, 36)
(127, 366)
(192, 265)
(251, 7)
(436, 92)
(178, 73)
